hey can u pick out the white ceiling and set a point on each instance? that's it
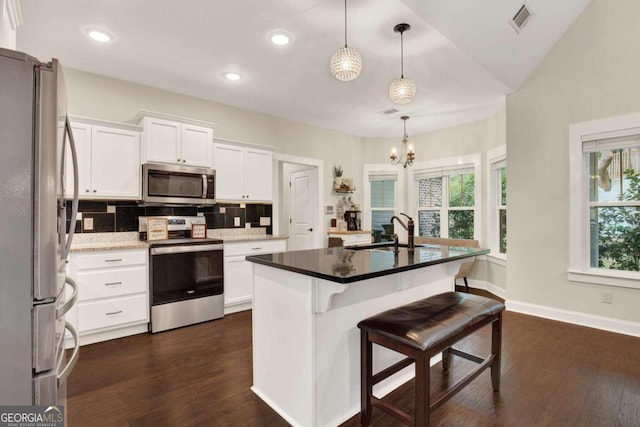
(463, 54)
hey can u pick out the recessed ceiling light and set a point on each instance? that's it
(99, 35)
(279, 38)
(232, 76)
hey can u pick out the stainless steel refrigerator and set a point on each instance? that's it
(35, 293)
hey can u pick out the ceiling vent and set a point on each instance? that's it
(521, 18)
(388, 112)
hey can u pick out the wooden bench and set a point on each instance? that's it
(421, 330)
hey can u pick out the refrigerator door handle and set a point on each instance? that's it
(64, 308)
(74, 204)
(62, 376)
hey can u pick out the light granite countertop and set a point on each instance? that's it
(93, 242)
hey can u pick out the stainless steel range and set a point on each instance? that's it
(186, 276)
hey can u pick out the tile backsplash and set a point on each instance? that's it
(113, 216)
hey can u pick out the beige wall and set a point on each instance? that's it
(591, 73)
(100, 97)
(470, 138)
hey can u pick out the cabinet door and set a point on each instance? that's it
(258, 171)
(162, 140)
(82, 138)
(115, 163)
(228, 161)
(196, 145)
(238, 280)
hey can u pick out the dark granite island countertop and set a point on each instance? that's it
(347, 265)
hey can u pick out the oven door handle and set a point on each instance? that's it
(186, 249)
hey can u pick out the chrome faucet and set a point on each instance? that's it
(410, 227)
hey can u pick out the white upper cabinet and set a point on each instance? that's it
(243, 174)
(176, 140)
(108, 160)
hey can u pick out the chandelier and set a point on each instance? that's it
(407, 155)
(346, 63)
(402, 91)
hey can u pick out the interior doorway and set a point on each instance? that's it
(298, 212)
(302, 209)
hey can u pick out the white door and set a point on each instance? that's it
(302, 210)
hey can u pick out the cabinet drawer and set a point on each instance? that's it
(110, 283)
(110, 259)
(112, 312)
(255, 247)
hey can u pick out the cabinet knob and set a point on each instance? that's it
(184, 161)
(243, 196)
(87, 190)
(178, 159)
(94, 191)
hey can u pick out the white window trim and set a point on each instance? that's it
(494, 155)
(373, 169)
(579, 268)
(470, 160)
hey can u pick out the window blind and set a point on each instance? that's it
(446, 171)
(628, 141)
(383, 176)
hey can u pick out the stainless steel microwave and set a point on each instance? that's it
(178, 185)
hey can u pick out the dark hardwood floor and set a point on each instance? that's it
(553, 374)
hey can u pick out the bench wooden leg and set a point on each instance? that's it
(496, 350)
(422, 390)
(446, 359)
(366, 379)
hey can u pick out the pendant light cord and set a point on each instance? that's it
(345, 23)
(401, 58)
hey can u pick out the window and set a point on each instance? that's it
(613, 175)
(605, 201)
(381, 199)
(382, 202)
(446, 195)
(497, 195)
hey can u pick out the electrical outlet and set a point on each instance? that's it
(111, 209)
(607, 297)
(87, 224)
(236, 221)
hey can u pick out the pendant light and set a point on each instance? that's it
(346, 63)
(402, 91)
(408, 154)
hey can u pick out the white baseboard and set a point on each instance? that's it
(583, 319)
(481, 284)
(574, 317)
(240, 304)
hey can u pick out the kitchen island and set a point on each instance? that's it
(306, 346)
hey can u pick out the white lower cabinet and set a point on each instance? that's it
(238, 272)
(113, 294)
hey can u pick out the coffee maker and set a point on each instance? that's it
(353, 219)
